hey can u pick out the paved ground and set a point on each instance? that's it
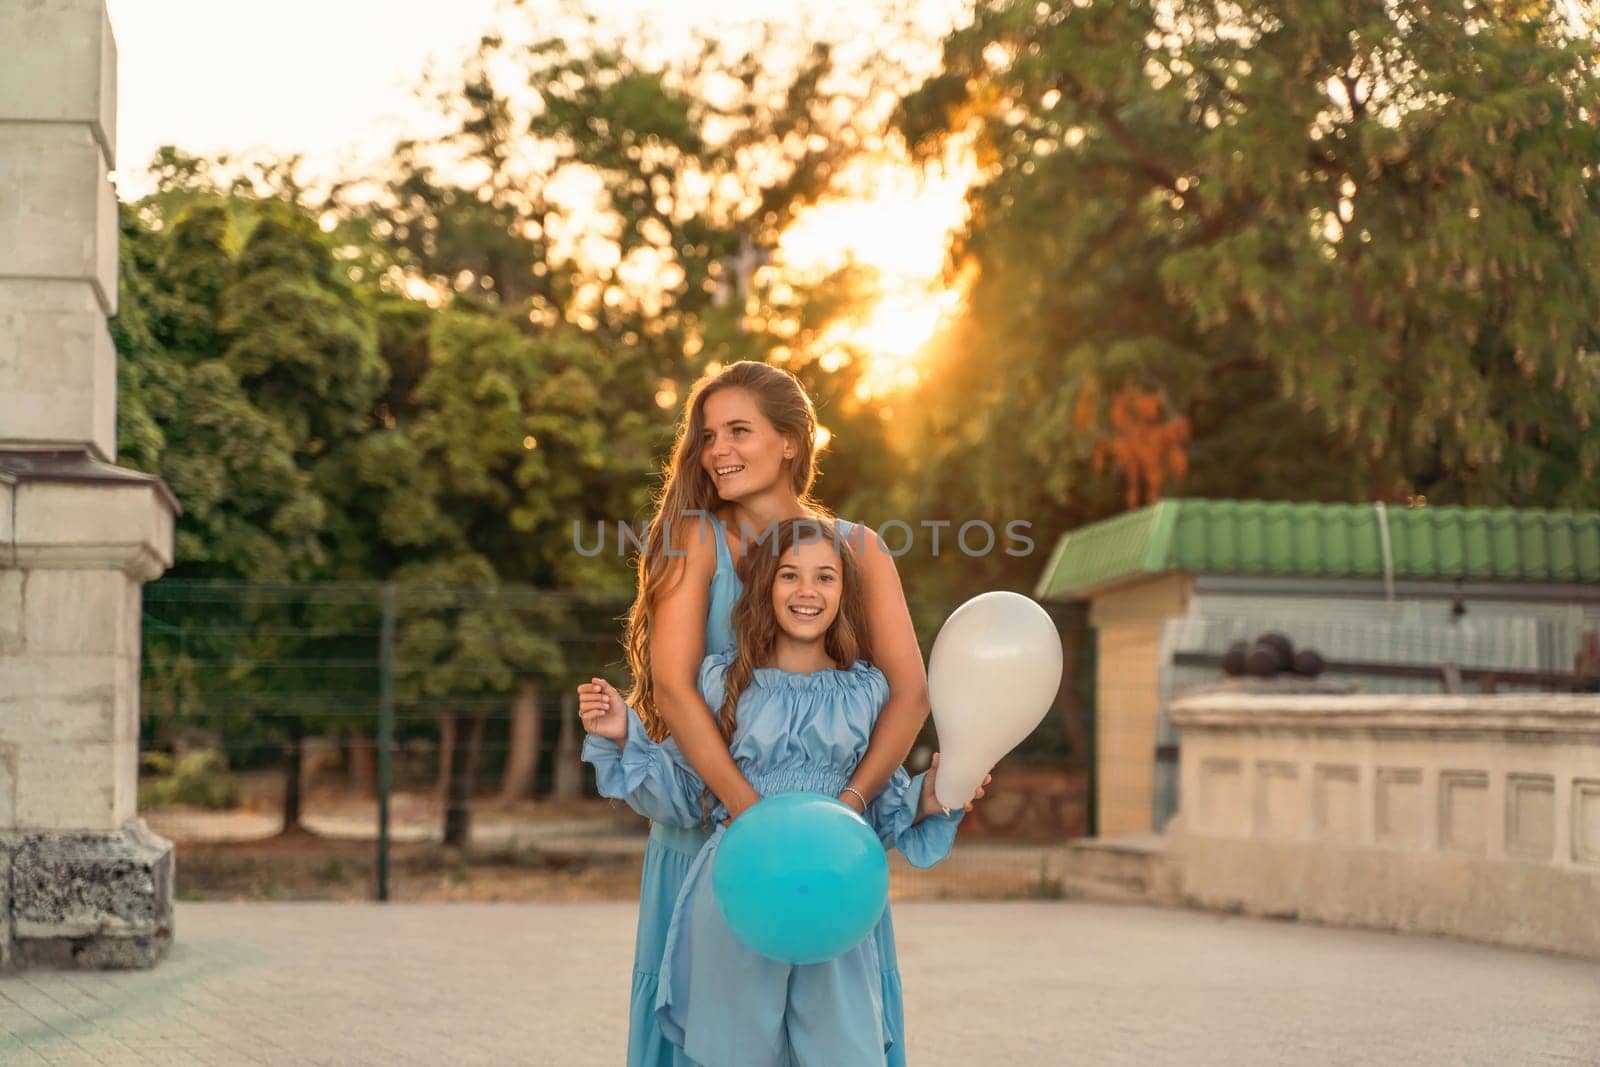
(1009, 983)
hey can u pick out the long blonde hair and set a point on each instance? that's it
(755, 623)
(687, 488)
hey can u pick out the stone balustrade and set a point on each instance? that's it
(1474, 816)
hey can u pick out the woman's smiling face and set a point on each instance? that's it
(740, 448)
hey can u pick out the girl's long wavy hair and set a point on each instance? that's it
(687, 489)
(756, 623)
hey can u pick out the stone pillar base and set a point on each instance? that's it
(99, 900)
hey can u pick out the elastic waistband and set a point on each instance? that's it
(678, 839)
(801, 778)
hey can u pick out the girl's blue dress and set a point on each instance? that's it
(725, 1005)
(675, 840)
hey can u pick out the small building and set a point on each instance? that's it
(1178, 581)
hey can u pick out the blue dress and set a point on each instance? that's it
(725, 1005)
(673, 845)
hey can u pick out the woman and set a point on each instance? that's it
(744, 460)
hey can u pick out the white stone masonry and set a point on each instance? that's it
(81, 878)
(1477, 816)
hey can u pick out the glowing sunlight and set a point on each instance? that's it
(896, 222)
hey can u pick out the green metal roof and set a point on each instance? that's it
(1258, 538)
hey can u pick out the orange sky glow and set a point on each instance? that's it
(186, 79)
(899, 225)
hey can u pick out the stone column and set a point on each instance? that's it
(81, 877)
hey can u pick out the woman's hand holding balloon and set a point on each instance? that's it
(602, 709)
(929, 804)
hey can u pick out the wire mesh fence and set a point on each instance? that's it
(358, 739)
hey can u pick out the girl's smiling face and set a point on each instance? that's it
(740, 448)
(805, 591)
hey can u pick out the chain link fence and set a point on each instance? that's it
(348, 740)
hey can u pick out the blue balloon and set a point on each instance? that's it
(801, 878)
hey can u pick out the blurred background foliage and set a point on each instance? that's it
(1316, 250)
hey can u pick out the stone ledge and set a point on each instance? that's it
(1471, 816)
(1521, 713)
(68, 510)
(75, 466)
(97, 900)
(1132, 868)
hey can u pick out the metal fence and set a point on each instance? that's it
(358, 739)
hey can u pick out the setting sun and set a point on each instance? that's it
(894, 220)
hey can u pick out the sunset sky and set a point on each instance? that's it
(333, 81)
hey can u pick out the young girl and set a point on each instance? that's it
(796, 702)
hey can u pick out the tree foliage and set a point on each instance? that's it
(1320, 251)
(438, 374)
(1351, 246)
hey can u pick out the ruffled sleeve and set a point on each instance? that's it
(655, 778)
(713, 671)
(893, 814)
(652, 777)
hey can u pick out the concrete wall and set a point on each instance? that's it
(1128, 626)
(1477, 817)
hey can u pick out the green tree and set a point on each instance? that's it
(1351, 245)
(302, 343)
(249, 373)
(299, 337)
(528, 445)
(436, 382)
(248, 511)
(462, 643)
(613, 193)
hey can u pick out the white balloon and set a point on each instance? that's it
(993, 673)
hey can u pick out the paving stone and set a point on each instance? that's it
(1008, 982)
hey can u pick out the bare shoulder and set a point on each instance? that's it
(876, 559)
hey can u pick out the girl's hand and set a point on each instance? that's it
(602, 709)
(929, 804)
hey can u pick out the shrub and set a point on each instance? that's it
(198, 779)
